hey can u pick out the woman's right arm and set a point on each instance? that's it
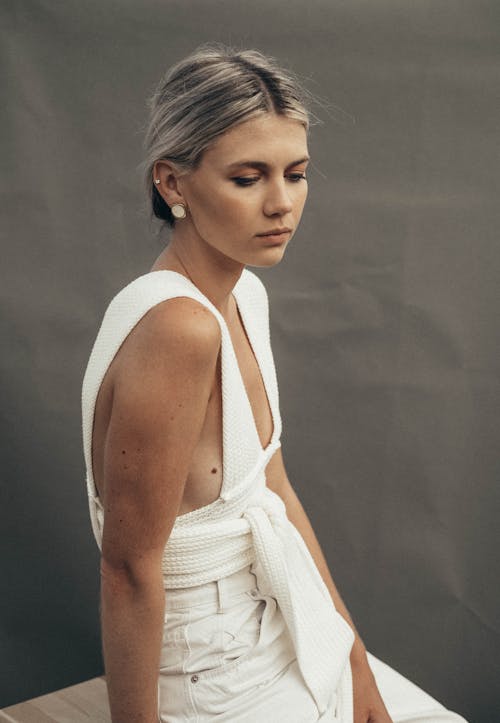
(163, 377)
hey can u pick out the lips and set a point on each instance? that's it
(275, 231)
(274, 239)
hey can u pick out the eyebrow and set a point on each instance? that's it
(263, 165)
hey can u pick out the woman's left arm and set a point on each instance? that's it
(368, 703)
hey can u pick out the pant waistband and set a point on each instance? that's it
(216, 591)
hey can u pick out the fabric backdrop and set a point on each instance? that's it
(384, 312)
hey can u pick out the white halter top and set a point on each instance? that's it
(247, 523)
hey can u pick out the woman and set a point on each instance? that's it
(216, 600)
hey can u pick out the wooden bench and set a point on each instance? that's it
(86, 702)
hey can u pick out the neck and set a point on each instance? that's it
(213, 273)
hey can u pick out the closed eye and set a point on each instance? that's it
(249, 180)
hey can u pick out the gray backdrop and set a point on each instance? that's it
(384, 312)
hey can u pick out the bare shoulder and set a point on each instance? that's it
(177, 330)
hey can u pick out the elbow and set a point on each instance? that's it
(136, 573)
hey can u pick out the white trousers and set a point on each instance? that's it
(227, 657)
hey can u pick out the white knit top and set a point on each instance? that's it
(247, 523)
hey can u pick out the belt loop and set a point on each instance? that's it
(220, 595)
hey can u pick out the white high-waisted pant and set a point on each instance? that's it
(227, 657)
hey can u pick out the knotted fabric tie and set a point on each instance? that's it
(322, 637)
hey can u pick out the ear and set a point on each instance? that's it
(169, 188)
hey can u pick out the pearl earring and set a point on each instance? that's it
(157, 180)
(178, 210)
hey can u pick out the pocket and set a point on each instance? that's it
(218, 642)
(241, 626)
(254, 653)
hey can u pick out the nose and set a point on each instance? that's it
(278, 201)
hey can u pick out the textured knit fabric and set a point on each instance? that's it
(248, 522)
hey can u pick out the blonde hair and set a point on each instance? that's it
(204, 95)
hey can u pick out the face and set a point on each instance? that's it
(249, 182)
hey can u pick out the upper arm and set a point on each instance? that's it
(163, 379)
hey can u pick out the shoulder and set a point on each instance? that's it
(155, 309)
(170, 354)
(178, 330)
(183, 322)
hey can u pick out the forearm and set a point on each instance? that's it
(132, 629)
(298, 517)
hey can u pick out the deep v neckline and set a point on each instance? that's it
(246, 325)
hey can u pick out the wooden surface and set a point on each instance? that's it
(84, 702)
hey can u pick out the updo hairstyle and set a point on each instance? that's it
(205, 94)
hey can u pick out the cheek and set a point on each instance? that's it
(232, 208)
(208, 208)
(299, 199)
(223, 211)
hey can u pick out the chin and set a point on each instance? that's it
(267, 258)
